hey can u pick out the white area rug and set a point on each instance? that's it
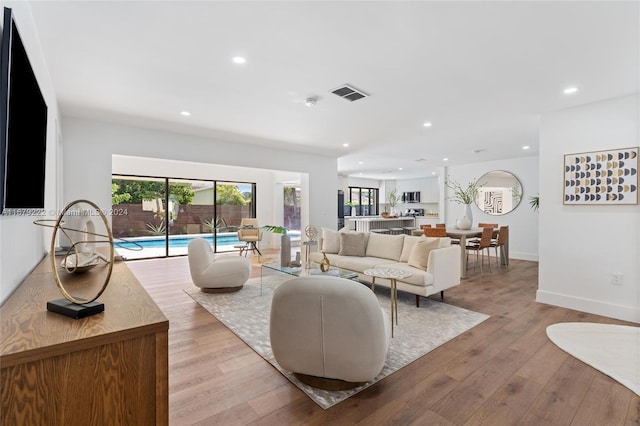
(612, 349)
(420, 330)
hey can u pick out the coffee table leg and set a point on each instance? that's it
(261, 279)
(373, 284)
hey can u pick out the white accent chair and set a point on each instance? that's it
(216, 275)
(330, 332)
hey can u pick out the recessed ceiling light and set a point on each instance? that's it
(360, 162)
(239, 60)
(570, 90)
(427, 124)
(400, 168)
(445, 159)
(433, 173)
(346, 145)
(526, 147)
(185, 113)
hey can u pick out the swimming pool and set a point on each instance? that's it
(176, 241)
(154, 246)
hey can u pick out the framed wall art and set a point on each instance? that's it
(601, 177)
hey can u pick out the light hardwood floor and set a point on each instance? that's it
(505, 371)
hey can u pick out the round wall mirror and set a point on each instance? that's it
(499, 192)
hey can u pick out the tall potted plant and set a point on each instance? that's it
(393, 198)
(463, 195)
(285, 243)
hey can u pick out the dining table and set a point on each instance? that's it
(463, 234)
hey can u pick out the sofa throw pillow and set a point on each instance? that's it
(353, 244)
(385, 246)
(419, 257)
(409, 243)
(330, 241)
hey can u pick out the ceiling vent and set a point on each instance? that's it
(349, 93)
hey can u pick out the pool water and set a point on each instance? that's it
(175, 242)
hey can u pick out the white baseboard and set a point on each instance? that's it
(523, 256)
(621, 312)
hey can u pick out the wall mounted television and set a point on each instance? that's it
(23, 125)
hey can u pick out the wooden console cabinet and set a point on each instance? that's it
(107, 369)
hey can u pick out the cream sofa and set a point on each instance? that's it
(433, 262)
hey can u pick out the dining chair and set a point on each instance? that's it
(503, 234)
(480, 246)
(441, 225)
(435, 232)
(484, 225)
(487, 225)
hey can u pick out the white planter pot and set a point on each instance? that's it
(466, 221)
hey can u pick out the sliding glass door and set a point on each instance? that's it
(234, 201)
(162, 215)
(191, 212)
(138, 214)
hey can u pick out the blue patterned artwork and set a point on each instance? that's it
(601, 177)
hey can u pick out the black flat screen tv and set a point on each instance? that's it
(23, 125)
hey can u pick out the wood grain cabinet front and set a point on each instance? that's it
(107, 369)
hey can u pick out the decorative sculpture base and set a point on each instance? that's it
(73, 310)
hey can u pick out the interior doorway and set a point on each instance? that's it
(291, 208)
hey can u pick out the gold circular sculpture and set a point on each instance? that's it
(76, 228)
(311, 232)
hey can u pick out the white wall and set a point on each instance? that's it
(89, 146)
(23, 244)
(522, 222)
(581, 246)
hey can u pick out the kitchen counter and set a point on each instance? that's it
(365, 224)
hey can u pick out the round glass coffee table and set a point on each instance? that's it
(392, 275)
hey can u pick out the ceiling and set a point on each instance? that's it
(482, 73)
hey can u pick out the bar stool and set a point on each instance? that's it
(408, 229)
(396, 231)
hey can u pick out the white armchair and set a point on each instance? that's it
(330, 332)
(216, 275)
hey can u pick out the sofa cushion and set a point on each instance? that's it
(352, 244)
(385, 246)
(420, 253)
(355, 263)
(330, 241)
